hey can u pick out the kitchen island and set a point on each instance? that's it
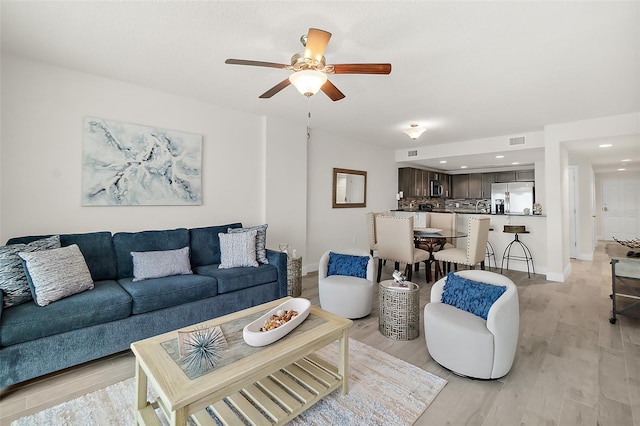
(535, 239)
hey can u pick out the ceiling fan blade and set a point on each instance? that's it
(332, 91)
(275, 89)
(253, 63)
(317, 41)
(362, 68)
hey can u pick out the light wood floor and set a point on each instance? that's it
(572, 366)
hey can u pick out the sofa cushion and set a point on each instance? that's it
(239, 278)
(126, 242)
(157, 293)
(56, 274)
(13, 281)
(205, 244)
(157, 264)
(106, 302)
(238, 250)
(96, 247)
(471, 296)
(261, 241)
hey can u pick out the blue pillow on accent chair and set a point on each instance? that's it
(346, 264)
(471, 296)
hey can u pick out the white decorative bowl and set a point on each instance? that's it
(254, 337)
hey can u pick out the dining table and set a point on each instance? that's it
(432, 240)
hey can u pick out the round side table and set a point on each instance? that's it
(399, 310)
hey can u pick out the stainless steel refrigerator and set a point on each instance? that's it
(517, 196)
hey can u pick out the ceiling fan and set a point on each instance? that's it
(310, 69)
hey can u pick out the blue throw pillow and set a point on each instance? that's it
(471, 296)
(346, 264)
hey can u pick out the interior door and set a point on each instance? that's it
(620, 209)
(573, 220)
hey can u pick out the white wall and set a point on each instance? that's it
(584, 209)
(42, 111)
(267, 173)
(286, 185)
(333, 229)
(556, 163)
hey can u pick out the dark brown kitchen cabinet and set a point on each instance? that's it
(487, 180)
(446, 186)
(414, 183)
(406, 179)
(509, 176)
(460, 186)
(525, 175)
(475, 185)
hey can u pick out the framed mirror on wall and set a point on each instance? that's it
(349, 188)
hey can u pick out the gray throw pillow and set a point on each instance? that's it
(261, 241)
(13, 281)
(158, 264)
(238, 249)
(57, 273)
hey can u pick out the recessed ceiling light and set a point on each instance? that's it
(626, 159)
(463, 167)
(443, 161)
(515, 163)
(605, 145)
(499, 156)
(621, 170)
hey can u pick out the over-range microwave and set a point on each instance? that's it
(435, 188)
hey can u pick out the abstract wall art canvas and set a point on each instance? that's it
(128, 165)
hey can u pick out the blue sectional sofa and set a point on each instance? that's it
(37, 340)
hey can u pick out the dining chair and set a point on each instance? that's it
(395, 243)
(474, 253)
(371, 228)
(444, 221)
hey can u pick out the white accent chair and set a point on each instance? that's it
(477, 237)
(467, 344)
(396, 243)
(349, 297)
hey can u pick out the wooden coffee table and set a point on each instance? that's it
(266, 385)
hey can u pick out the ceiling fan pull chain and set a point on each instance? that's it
(309, 121)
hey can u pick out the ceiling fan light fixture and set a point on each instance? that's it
(308, 82)
(414, 131)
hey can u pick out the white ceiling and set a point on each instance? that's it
(464, 70)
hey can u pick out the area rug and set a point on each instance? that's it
(382, 390)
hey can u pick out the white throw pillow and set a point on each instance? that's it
(57, 273)
(158, 264)
(238, 249)
(261, 241)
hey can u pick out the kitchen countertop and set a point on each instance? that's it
(466, 211)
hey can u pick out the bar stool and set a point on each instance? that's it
(526, 257)
(491, 253)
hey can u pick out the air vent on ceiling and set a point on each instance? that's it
(413, 153)
(516, 141)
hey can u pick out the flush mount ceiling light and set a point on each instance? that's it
(308, 82)
(605, 145)
(414, 131)
(499, 156)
